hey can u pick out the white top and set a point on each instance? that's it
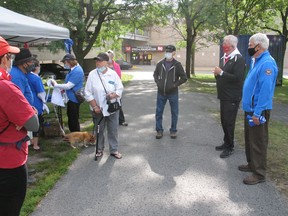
(95, 90)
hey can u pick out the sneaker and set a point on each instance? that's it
(253, 179)
(159, 134)
(173, 135)
(245, 168)
(220, 148)
(226, 153)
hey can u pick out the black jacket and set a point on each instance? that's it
(230, 84)
(168, 81)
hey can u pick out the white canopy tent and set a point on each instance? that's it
(17, 28)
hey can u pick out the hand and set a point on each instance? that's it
(18, 128)
(217, 71)
(96, 109)
(46, 108)
(256, 120)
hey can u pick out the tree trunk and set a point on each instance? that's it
(188, 51)
(193, 60)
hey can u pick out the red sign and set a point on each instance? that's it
(128, 49)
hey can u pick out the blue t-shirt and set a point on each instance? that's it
(75, 76)
(20, 79)
(37, 87)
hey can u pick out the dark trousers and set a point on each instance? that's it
(121, 116)
(256, 143)
(228, 113)
(13, 183)
(73, 116)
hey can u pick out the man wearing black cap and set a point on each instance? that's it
(168, 75)
(73, 82)
(23, 64)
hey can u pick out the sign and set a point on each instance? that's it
(144, 49)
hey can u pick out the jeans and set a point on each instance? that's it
(174, 107)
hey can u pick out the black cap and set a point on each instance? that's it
(170, 48)
(67, 57)
(23, 56)
(102, 57)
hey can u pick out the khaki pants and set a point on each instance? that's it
(256, 143)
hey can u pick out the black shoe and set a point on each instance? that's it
(220, 148)
(159, 134)
(124, 124)
(226, 153)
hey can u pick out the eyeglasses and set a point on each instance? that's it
(10, 56)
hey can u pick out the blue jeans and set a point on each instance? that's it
(174, 107)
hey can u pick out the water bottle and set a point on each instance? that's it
(262, 120)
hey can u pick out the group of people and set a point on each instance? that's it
(19, 85)
(103, 86)
(257, 97)
(256, 92)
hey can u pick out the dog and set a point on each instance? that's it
(80, 138)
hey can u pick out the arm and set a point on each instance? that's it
(267, 82)
(238, 69)
(89, 94)
(182, 75)
(32, 124)
(65, 86)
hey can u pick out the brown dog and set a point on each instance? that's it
(81, 138)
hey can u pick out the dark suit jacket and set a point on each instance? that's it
(229, 85)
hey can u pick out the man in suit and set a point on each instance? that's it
(229, 78)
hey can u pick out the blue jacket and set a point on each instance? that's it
(77, 77)
(259, 85)
(20, 79)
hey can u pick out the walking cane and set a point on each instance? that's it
(98, 129)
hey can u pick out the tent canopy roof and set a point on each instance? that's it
(17, 28)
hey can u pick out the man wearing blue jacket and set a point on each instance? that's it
(258, 92)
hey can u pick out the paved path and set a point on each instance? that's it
(162, 177)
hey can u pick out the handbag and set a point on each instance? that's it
(112, 106)
(80, 95)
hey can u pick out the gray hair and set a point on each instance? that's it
(260, 39)
(232, 40)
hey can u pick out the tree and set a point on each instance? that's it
(277, 20)
(192, 17)
(87, 18)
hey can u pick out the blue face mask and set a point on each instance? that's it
(66, 66)
(101, 69)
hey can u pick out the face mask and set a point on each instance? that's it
(29, 68)
(252, 51)
(168, 55)
(66, 66)
(101, 69)
(11, 64)
(225, 48)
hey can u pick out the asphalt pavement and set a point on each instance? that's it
(163, 177)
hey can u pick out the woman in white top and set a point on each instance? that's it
(104, 84)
